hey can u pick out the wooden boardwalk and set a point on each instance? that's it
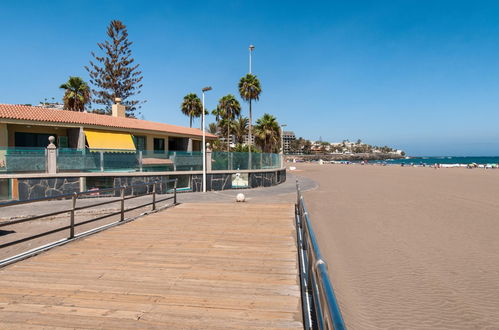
(206, 266)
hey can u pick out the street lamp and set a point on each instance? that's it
(208, 88)
(251, 47)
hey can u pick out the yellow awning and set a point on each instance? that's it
(109, 140)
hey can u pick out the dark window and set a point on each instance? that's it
(140, 142)
(177, 144)
(32, 139)
(159, 146)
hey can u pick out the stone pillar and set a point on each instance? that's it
(208, 158)
(51, 156)
(83, 183)
(189, 145)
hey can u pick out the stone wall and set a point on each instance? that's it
(47, 187)
(131, 181)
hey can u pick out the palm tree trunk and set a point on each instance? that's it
(250, 134)
(228, 137)
(190, 121)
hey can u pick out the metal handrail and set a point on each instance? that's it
(320, 307)
(71, 227)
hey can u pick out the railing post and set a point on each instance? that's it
(154, 196)
(122, 195)
(72, 218)
(175, 193)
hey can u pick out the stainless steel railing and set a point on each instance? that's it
(72, 224)
(320, 308)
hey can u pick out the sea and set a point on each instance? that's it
(443, 160)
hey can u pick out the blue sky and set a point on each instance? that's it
(418, 75)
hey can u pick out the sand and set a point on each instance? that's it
(409, 248)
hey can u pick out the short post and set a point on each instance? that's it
(208, 158)
(122, 195)
(140, 160)
(154, 196)
(51, 156)
(101, 161)
(72, 224)
(175, 192)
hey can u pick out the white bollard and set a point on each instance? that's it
(240, 197)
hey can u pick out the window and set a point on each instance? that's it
(140, 142)
(159, 146)
(32, 139)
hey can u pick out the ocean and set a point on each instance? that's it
(443, 160)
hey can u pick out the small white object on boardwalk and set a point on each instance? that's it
(192, 266)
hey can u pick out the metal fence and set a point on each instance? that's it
(150, 189)
(320, 308)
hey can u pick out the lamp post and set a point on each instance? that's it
(204, 140)
(251, 47)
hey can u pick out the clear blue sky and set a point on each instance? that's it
(418, 75)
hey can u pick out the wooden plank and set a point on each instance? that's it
(203, 265)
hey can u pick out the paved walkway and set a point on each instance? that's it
(285, 192)
(206, 265)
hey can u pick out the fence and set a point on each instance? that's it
(19, 159)
(320, 308)
(244, 161)
(32, 160)
(151, 189)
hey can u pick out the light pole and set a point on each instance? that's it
(204, 141)
(251, 47)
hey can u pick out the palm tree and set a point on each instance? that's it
(192, 107)
(241, 129)
(217, 113)
(213, 128)
(230, 109)
(250, 89)
(76, 95)
(268, 133)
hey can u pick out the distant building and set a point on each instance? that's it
(246, 139)
(288, 137)
(51, 105)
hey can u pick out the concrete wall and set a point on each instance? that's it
(3, 135)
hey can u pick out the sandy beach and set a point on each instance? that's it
(409, 248)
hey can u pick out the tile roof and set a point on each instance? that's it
(31, 113)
